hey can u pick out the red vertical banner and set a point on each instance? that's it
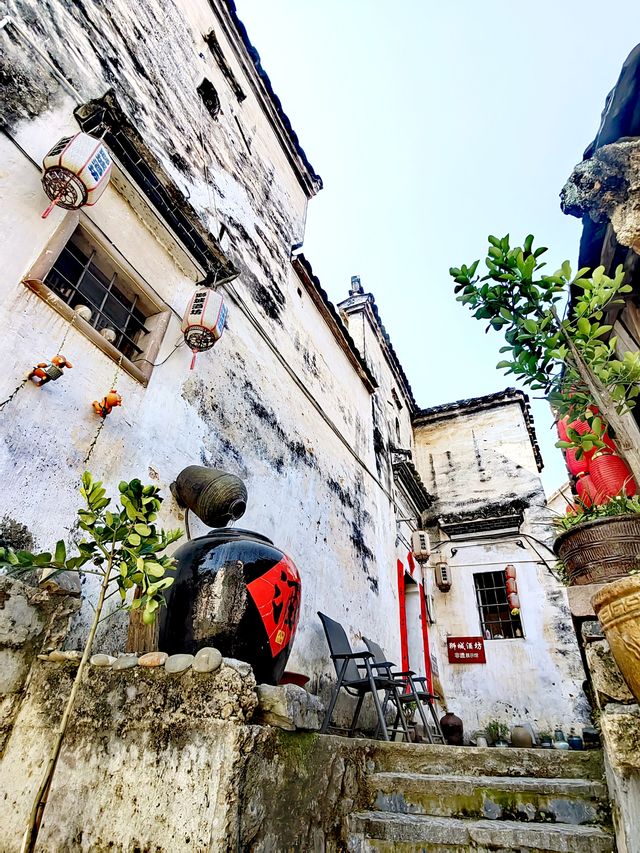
(404, 640)
(425, 640)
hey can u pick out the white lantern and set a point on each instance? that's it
(443, 574)
(76, 172)
(204, 320)
(420, 545)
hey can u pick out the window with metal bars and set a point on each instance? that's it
(496, 620)
(84, 278)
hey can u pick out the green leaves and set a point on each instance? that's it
(123, 542)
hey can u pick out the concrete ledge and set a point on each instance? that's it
(580, 599)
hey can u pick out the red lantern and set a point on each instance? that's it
(587, 491)
(514, 601)
(611, 476)
(510, 571)
(561, 426)
(512, 585)
(577, 466)
(580, 426)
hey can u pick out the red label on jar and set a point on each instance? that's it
(276, 594)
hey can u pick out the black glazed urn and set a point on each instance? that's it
(236, 591)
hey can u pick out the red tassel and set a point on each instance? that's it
(193, 359)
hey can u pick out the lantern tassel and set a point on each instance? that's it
(193, 359)
(55, 200)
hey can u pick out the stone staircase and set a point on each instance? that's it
(439, 799)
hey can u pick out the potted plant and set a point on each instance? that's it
(546, 739)
(575, 365)
(497, 733)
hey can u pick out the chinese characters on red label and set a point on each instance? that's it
(466, 650)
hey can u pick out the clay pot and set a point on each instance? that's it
(617, 606)
(600, 551)
(236, 592)
(521, 737)
(215, 496)
(452, 729)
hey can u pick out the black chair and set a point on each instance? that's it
(411, 687)
(355, 673)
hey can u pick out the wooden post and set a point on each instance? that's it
(142, 638)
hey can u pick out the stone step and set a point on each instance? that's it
(487, 761)
(522, 798)
(384, 832)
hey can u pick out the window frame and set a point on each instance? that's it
(157, 323)
(486, 624)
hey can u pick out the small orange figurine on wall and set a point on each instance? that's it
(104, 406)
(49, 371)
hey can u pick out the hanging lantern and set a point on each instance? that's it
(561, 426)
(514, 603)
(76, 172)
(510, 572)
(512, 585)
(586, 490)
(577, 466)
(420, 546)
(611, 476)
(49, 371)
(203, 321)
(109, 401)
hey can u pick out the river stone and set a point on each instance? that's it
(207, 660)
(125, 662)
(59, 656)
(178, 663)
(240, 666)
(102, 660)
(153, 659)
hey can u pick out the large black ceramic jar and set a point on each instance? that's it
(233, 590)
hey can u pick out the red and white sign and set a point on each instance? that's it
(466, 650)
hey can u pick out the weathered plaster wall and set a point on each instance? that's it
(478, 462)
(249, 405)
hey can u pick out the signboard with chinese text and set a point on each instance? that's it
(466, 650)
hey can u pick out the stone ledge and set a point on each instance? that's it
(289, 707)
(621, 733)
(608, 683)
(580, 599)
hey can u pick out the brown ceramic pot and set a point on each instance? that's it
(617, 606)
(600, 551)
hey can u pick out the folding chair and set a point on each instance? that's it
(409, 692)
(348, 665)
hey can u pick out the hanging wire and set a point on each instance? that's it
(102, 420)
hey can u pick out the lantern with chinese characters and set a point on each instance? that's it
(76, 172)
(203, 321)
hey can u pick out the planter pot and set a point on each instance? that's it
(600, 551)
(235, 591)
(617, 606)
(452, 729)
(521, 737)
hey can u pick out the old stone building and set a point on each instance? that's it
(306, 401)
(309, 405)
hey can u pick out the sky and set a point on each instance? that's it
(434, 123)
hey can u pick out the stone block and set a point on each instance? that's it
(580, 599)
(607, 679)
(621, 734)
(592, 631)
(289, 707)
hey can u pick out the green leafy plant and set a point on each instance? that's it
(496, 731)
(618, 505)
(124, 548)
(573, 361)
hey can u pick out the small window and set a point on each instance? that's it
(83, 277)
(210, 99)
(91, 284)
(496, 620)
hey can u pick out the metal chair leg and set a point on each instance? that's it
(354, 722)
(334, 699)
(400, 716)
(376, 700)
(436, 721)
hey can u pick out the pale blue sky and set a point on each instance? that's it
(434, 123)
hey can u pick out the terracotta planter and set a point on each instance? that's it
(617, 606)
(602, 550)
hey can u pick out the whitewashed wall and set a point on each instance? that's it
(479, 459)
(240, 409)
